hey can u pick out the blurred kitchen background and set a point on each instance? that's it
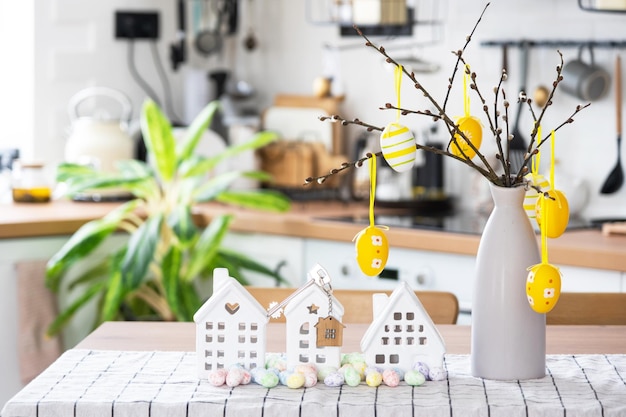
(55, 48)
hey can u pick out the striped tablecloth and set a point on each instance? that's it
(164, 384)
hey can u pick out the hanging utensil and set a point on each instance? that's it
(209, 40)
(616, 177)
(517, 145)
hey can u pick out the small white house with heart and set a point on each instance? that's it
(313, 335)
(230, 327)
(401, 332)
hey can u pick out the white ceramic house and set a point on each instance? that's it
(312, 336)
(402, 332)
(230, 327)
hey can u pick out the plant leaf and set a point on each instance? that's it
(84, 241)
(259, 140)
(215, 186)
(195, 131)
(159, 139)
(116, 291)
(207, 245)
(170, 267)
(242, 261)
(96, 272)
(268, 200)
(190, 299)
(141, 248)
(182, 224)
(64, 317)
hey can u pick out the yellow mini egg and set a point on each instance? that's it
(372, 250)
(398, 146)
(471, 128)
(557, 209)
(530, 199)
(543, 287)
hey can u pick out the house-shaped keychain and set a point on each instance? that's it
(230, 327)
(402, 333)
(314, 329)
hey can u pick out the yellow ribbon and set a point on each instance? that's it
(372, 163)
(466, 97)
(398, 81)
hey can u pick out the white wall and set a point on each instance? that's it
(73, 47)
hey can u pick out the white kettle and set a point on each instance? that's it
(100, 139)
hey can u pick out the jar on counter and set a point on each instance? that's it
(29, 182)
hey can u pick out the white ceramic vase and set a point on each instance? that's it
(508, 337)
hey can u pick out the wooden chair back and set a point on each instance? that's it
(589, 308)
(443, 307)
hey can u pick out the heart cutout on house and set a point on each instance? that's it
(232, 308)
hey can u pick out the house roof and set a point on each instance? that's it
(223, 284)
(317, 292)
(380, 319)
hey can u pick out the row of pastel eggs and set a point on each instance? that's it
(307, 375)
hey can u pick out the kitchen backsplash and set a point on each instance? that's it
(73, 47)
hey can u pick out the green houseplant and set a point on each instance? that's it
(156, 273)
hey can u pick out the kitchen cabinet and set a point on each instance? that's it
(282, 253)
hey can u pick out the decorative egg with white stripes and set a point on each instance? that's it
(530, 199)
(398, 146)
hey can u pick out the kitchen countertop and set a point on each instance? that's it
(315, 219)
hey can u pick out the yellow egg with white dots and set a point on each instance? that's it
(372, 250)
(397, 144)
(543, 287)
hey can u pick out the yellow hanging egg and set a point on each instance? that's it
(471, 128)
(530, 199)
(398, 146)
(543, 287)
(557, 209)
(372, 250)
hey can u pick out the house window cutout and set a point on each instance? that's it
(394, 358)
(220, 365)
(386, 328)
(380, 358)
(304, 329)
(397, 340)
(220, 353)
(304, 344)
(241, 354)
(420, 328)
(330, 334)
(253, 339)
(221, 325)
(304, 358)
(209, 338)
(242, 339)
(208, 353)
(242, 326)
(410, 340)
(410, 316)
(253, 354)
(252, 365)
(209, 325)
(397, 328)
(423, 340)
(397, 316)
(385, 340)
(254, 327)
(208, 366)
(220, 338)
(320, 359)
(410, 328)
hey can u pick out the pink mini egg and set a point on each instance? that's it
(391, 378)
(217, 377)
(310, 379)
(234, 377)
